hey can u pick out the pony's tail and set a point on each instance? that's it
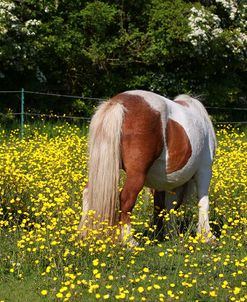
(105, 161)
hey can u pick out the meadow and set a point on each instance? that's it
(41, 181)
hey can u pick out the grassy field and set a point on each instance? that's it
(41, 183)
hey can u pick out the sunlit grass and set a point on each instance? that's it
(41, 183)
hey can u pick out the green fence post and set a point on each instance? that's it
(22, 112)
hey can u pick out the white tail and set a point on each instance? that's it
(105, 161)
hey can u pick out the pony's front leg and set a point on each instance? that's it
(159, 207)
(203, 223)
(128, 198)
(203, 181)
(164, 202)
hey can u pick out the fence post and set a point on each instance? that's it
(22, 112)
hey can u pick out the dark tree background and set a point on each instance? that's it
(99, 48)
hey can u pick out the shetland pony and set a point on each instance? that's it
(159, 143)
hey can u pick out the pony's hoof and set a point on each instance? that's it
(211, 240)
(132, 242)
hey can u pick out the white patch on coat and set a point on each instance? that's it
(195, 124)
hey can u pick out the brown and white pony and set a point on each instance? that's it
(159, 143)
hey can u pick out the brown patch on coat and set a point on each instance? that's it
(178, 145)
(182, 103)
(142, 138)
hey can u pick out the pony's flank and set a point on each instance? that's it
(104, 161)
(201, 109)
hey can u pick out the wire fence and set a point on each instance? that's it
(214, 111)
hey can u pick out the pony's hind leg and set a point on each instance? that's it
(128, 196)
(141, 144)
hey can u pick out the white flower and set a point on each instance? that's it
(29, 27)
(204, 25)
(230, 6)
(7, 16)
(32, 22)
(6, 5)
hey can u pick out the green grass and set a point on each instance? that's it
(179, 264)
(41, 181)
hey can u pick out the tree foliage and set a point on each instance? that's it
(98, 48)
